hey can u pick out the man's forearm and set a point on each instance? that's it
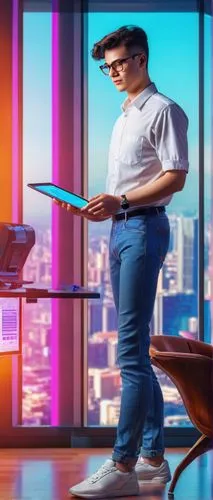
(169, 183)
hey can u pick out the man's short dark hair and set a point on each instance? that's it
(130, 36)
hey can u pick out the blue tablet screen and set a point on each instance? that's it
(61, 194)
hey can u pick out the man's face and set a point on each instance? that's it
(133, 70)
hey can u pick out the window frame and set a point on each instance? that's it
(11, 432)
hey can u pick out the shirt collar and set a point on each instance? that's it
(140, 99)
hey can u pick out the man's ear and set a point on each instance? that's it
(143, 60)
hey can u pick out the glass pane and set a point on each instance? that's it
(208, 174)
(37, 212)
(173, 67)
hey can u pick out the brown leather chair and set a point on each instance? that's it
(189, 364)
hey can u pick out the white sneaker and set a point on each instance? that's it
(107, 482)
(147, 472)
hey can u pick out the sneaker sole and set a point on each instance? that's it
(156, 479)
(113, 495)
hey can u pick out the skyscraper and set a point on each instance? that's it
(187, 254)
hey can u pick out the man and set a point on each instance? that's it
(148, 162)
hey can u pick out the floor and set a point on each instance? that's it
(47, 474)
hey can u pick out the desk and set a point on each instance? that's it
(31, 294)
(67, 346)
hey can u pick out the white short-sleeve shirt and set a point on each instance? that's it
(148, 138)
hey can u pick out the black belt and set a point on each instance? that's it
(139, 211)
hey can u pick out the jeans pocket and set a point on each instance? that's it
(135, 225)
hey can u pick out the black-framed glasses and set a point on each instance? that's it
(117, 65)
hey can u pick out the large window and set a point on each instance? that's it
(37, 147)
(174, 69)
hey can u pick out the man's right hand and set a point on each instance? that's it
(77, 211)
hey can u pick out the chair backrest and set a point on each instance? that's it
(189, 364)
(167, 343)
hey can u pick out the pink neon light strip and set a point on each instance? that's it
(55, 155)
(15, 159)
(15, 110)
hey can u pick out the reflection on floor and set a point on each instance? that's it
(47, 474)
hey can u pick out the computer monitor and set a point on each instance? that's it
(16, 241)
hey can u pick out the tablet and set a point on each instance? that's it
(59, 193)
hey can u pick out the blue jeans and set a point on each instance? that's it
(137, 250)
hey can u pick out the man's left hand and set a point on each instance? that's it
(102, 204)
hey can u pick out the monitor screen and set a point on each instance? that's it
(10, 342)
